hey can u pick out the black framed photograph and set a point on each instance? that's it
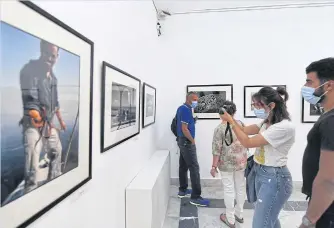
(120, 108)
(210, 98)
(310, 112)
(249, 91)
(46, 87)
(149, 105)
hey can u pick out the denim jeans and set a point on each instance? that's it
(273, 188)
(188, 161)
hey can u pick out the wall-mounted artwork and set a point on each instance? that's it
(249, 91)
(210, 98)
(310, 113)
(120, 109)
(149, 105)
(45, 112)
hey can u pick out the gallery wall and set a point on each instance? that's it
(241, 48)
(131, 44)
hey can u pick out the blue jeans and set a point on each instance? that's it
(188, 161)
(273, 188)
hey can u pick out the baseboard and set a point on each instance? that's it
(217, 183)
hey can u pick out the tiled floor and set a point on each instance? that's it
(181, 214)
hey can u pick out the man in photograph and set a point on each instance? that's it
(40, 106)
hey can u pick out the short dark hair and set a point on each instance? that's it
(230, 107)
(44, 44)
(268, 95)
(191, 93)
(324, 69)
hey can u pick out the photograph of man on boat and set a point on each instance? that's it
(39, 110)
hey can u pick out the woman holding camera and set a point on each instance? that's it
(231, 159)
(273, 139)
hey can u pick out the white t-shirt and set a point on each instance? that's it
(281, 137)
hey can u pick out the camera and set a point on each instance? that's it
(226, 108)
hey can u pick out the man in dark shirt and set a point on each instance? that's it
(40, 105)
(318, 161)
(188, 156)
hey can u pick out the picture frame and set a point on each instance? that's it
(68, 166)
(248, 92)
(209, 99)
(120, 108)
(149, 105)
(310, 113)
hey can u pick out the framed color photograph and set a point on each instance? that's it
(210, 98)
(310, 113)
(149, 105)
(45, 112)
(249, 91)
(120, 109)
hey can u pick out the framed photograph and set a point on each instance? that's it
(149, 105)
(120, 109)
(46, 87)
(249, 91)
(210, 98)
(310, 113)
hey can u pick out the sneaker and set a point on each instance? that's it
(184, 194)
(200, 202)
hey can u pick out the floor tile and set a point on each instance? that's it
(171, 222)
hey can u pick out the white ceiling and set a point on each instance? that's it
(182, 6)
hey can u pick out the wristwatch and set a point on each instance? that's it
(306, 222)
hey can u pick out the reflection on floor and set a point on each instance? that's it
(181, 214)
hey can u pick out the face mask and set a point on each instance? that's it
(308, 94)
(261, 113)
(194, 104)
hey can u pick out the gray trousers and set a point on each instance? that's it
(34, 144)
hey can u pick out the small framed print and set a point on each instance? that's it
(149, 105)
(310, 112)
(210, 98)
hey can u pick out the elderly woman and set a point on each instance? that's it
(231, 158)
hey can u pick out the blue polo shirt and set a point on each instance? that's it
(184, 115)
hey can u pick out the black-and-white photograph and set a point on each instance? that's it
(249, 91)
(210, 99)
(310, 112)
(149, 105)
(316, 110)
(45, 119)
(120, 109)
(123, 106)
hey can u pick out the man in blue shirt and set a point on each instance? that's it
(188, 155)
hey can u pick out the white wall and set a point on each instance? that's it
(124, 34)
(241, 48)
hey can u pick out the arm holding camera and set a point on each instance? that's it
(256, 141)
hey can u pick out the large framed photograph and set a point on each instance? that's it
(149, 105)
(45, 112)
(249, 91)
(310, 112)
(120, 109)
(210, 98)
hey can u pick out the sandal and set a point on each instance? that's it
(239, 220)
(224, 220)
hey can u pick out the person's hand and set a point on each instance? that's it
(193, 142)
(303, 226)
(62, 125)
(227, 117)
(213, 172)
